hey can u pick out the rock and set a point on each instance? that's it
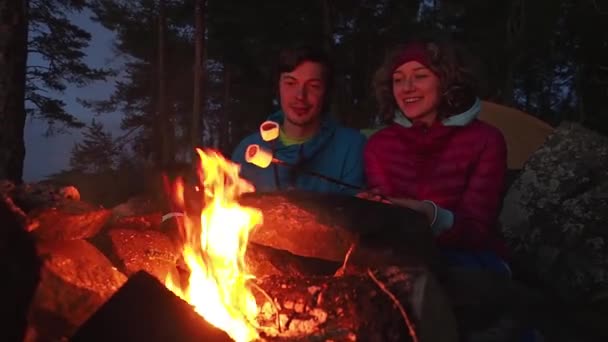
(6, 187)
(67, 220)
(76, 279)
(30, 196)
(266, 261)
(289, 226)
(554, 215)
(145, 310)
(151, 221)
(324, 226)
(136, 250)
(137, 206)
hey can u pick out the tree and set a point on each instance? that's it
(60, 45)
(13, 55)
(199, 73)
(97, 152)
(158, 75)
(165, 132)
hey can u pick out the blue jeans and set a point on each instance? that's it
(482, 261)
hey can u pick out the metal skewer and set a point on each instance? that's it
(260, 157)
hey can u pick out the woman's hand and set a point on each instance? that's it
(424, 207)
(373, 195)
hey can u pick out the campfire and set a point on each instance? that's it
(215, 242)
(244, 266)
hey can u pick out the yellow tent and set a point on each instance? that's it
(523, 132)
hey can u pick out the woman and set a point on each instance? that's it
(435, 156)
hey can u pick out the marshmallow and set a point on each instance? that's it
(269, 130)
(258, 156)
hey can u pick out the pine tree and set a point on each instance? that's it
(60, 45)
(97, 152)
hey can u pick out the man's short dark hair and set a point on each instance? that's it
(291, 57)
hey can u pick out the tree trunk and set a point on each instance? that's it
(514, 37)
(225, 139)
(199, 74)
(336, 105)
(13, 57)
(165, 125)
(580, 94)
(327, 28)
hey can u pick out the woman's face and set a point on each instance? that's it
(416, 91)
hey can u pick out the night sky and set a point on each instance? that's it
(44, 155)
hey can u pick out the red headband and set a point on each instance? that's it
(415, 52)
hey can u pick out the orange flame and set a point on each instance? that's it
(215, 242)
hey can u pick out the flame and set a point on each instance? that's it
(215, 242)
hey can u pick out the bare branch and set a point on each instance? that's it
(123, 137)
(408, 322)
(598, 9)
(38, 67)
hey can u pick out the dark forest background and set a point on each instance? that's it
(201, 72)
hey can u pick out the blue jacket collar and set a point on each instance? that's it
(315, 144)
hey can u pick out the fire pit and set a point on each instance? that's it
(273, 267)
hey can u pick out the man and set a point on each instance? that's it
(309, 139)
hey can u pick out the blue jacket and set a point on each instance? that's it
(334, 151)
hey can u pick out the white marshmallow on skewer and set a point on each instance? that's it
(269, 130)
(258, 156)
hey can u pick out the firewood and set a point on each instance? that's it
(385, 305)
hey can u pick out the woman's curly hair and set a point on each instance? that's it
(459, 76)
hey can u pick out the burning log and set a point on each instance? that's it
(391, 304)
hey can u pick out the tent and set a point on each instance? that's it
(523, 132)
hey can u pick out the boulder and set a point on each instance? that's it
(135, 250)
(30, 196)
(265, 261)
(554, 215)
(137, 206)
(76, 279)
(150, 221)
(67, 220)
(325, 226)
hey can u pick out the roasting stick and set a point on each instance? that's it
(256, 155)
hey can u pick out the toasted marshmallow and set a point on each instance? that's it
(256, 155)
(269, 130)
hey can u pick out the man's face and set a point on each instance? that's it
(302, 92)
